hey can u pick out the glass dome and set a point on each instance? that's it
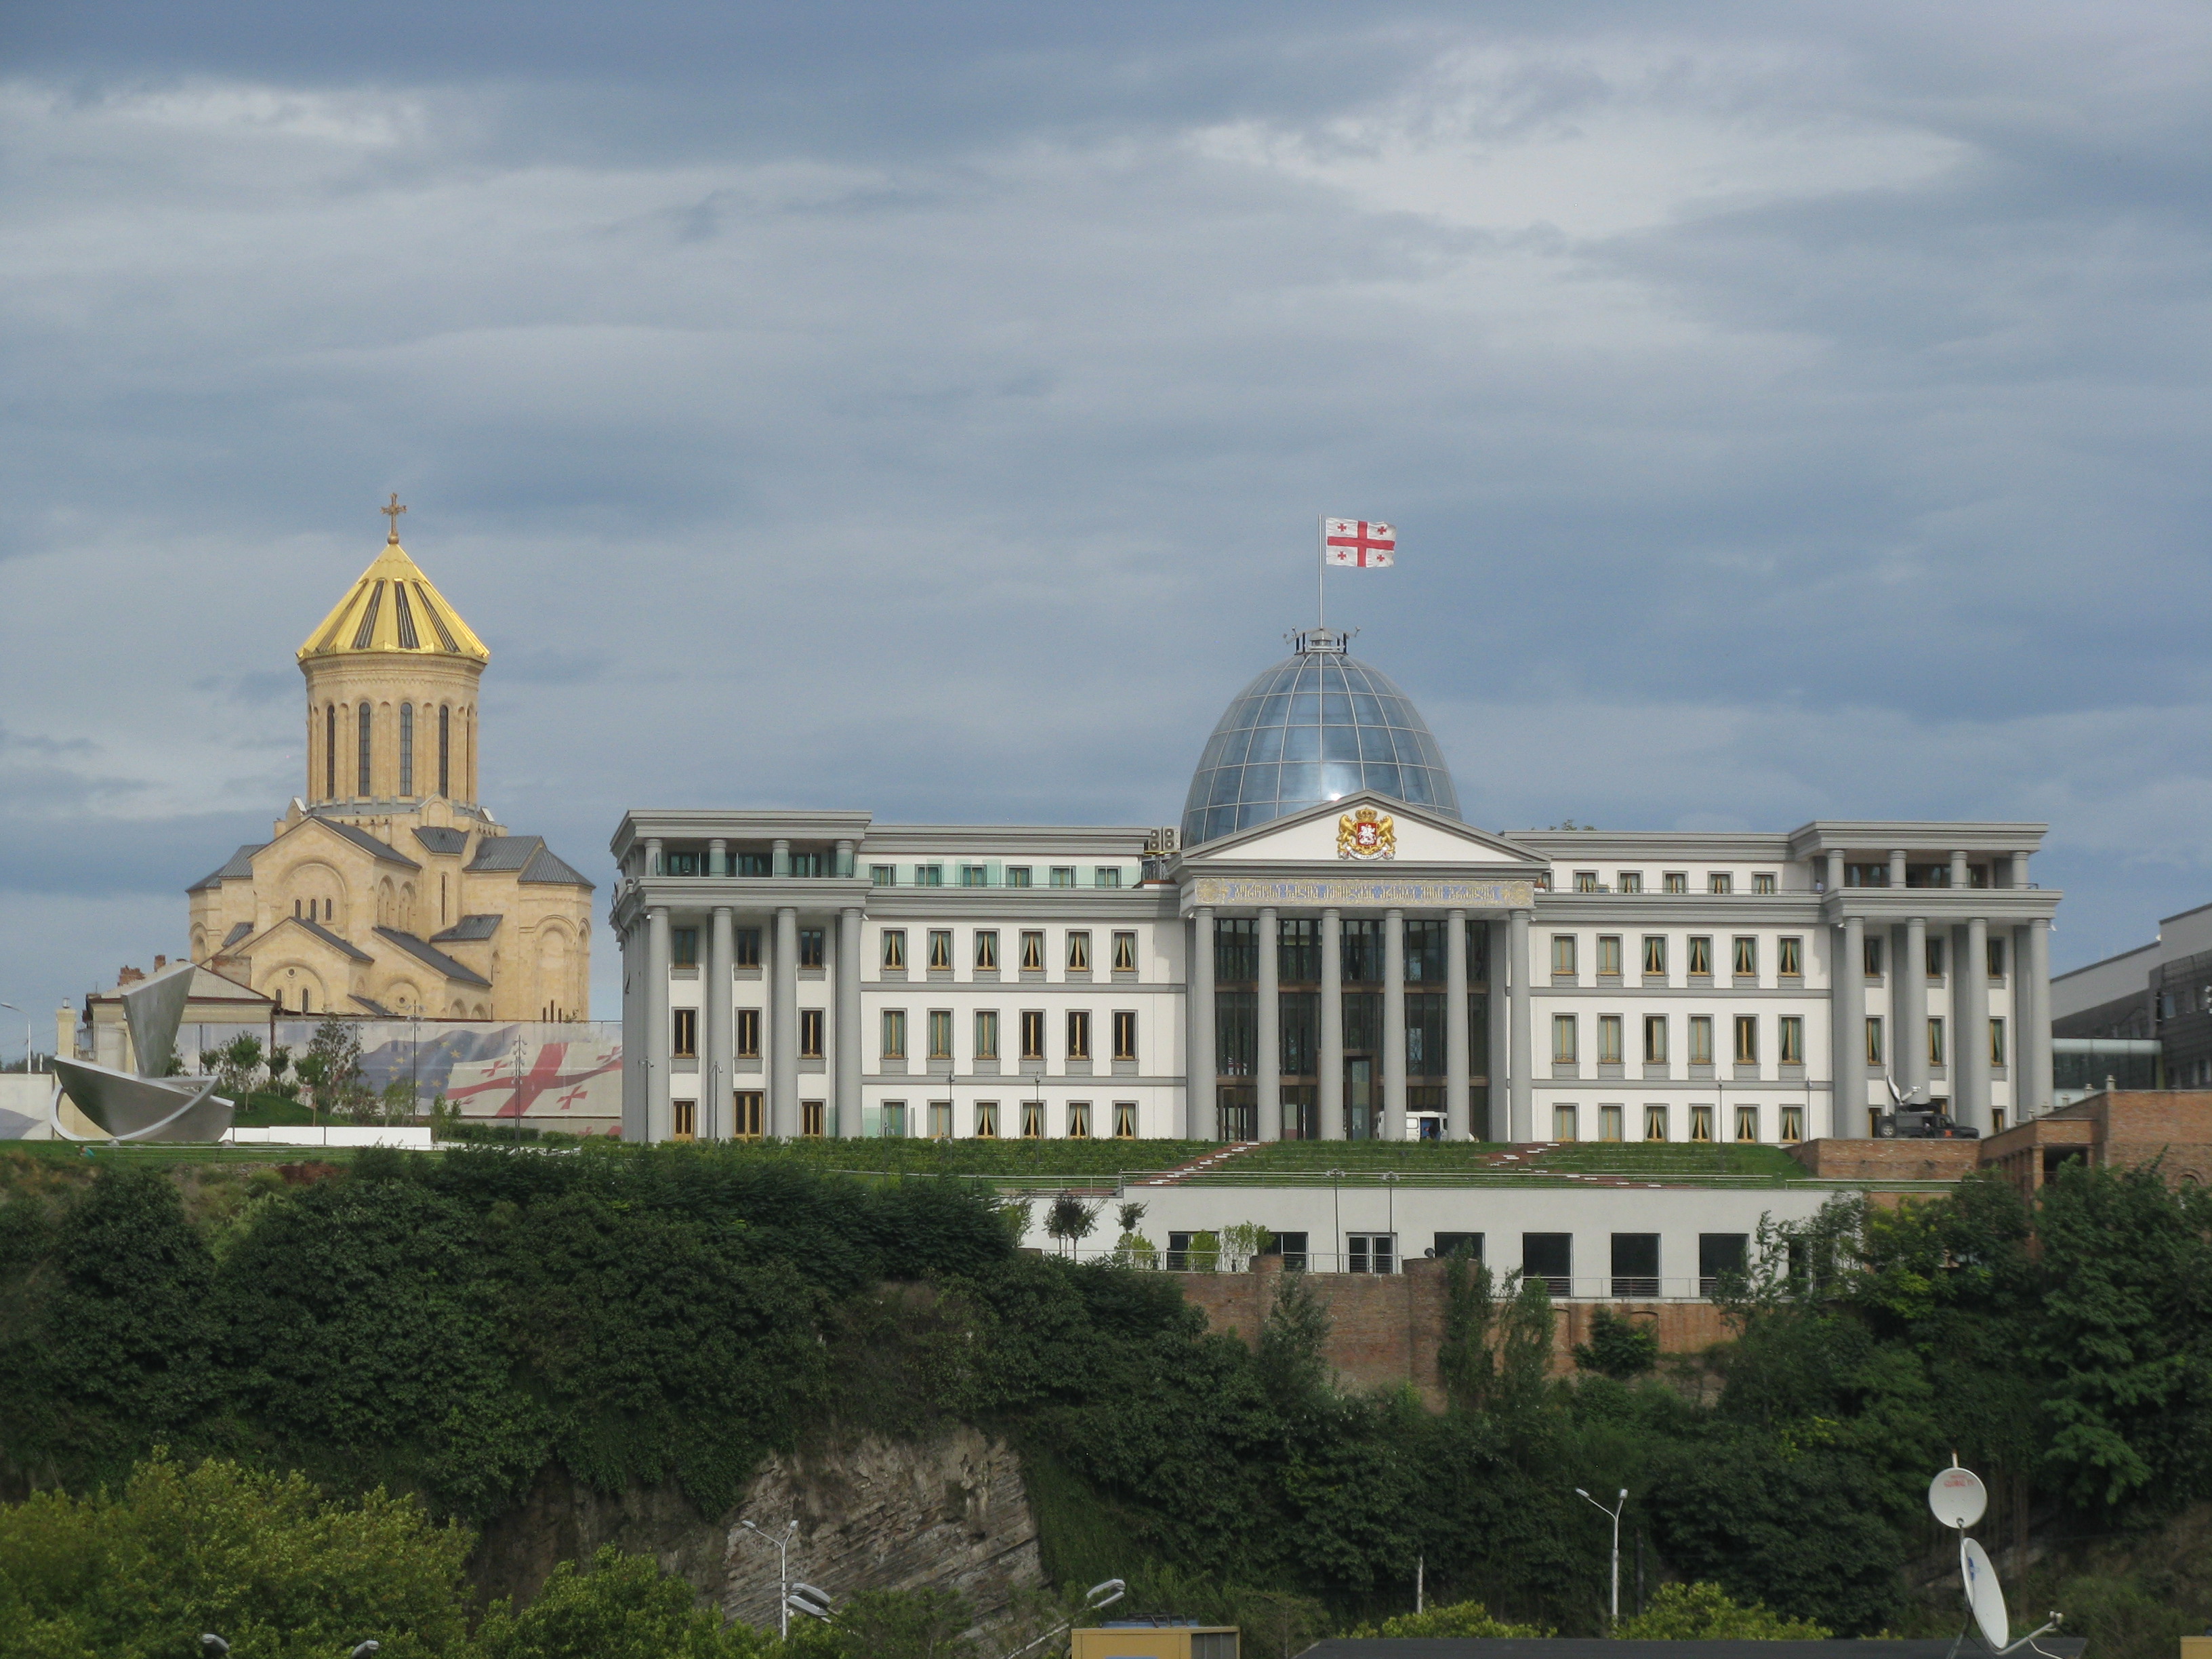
(1315, 727)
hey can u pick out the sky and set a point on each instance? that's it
(1788, 412)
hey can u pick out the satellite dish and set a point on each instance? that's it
(1984, 1595)
(1957, 1496)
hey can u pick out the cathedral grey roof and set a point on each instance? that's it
(332, 939)
(237, 867)
(528, 855)
(440, 838)
(430, 955)
(469, 930)
(1315, 727)
(374, 1007)
(239, 930)
(369, 843)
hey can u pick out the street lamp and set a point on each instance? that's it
(1099, 1596)
(1615, 1513)
(27, 1033)
(782, 1572)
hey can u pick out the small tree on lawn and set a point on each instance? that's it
(1070, 1221)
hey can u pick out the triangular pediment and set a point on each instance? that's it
(1413, 835)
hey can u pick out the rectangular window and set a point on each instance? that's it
(809, 1033)
(975, 875)
(1635, 1265)
(1106, 875)
(1997, 1042)
(1654, 1039)
(1655, 955)
(883, 875)
(1654, 1122)
(1563, 1123)
(1763, 882)
(1370, 1253)
(811, 1115)
(1610, 1122)
(1125, 1120)
(1701, 1123)
(1996, 959)
(1720, 881)
(1746, 1123)
(757, 864)
(1125, 1034)
(1628, 881)
(1033, 951)
(1586, 881)
(1873, 951)
(1033, 1119)
(929, 875)
(1018, 875)
(1549, 1257)
(684, 1039)
(1789, 1037)
(940, 1120)
(1236, 952)
(1125, 953)
(1609, 956)
(1874, 1040)
(1297, 952)
(1936, 1042)
(894, 1034)
(1793, 1123)
(1701, 957)
(987, 1034)
(987, 950)
(1424, 952)
(810, 947)
(1563, 1040)
(1677, 881)
(1721, 1256)
(684, 863)
(746, 1112)
(940, 949)
(1079, 1120)
(1078, 1033)
(1746, 1039)
(749, 947)
(1078, 951)
(1063, 875)
(940, 1034)
(1866, 875)
(895, 950)
(1745, 962)
(683, 1120)
(1032, 1033)
(1701, 1039)
(1563, 956)
(1361, 957)
(1789, 958)
(1609, 1039)
(986, 1120)
(1934, 958)
(749, 1023)
(806, 864)
(684, 947)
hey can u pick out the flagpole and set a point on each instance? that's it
(1321, 564)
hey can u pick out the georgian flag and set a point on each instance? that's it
(1355, 541)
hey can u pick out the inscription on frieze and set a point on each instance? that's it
(1357, 892)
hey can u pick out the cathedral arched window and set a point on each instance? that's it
(445, 749)
(329, 751)
(406, 749)
(363, 784)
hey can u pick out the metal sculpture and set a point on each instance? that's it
(146, 1105)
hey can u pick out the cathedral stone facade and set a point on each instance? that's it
(388, 887)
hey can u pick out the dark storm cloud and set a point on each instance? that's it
(1789, 413)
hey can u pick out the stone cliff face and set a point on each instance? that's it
(872, 1514)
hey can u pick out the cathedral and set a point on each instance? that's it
(387, 887)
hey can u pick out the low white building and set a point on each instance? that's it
(1323, 949)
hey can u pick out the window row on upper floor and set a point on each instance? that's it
(1656, 956)
(1031, 952)
(1669, 881)
(992, 872)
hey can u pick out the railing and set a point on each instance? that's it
(1191, 1264)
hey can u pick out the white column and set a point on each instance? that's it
(1909, 1000)
(721, 1035)
(659, 1036)
(847, 1080)
(1329, 1095)
(783, 1028)
(1523, 1113)
(1495, 1124)
(2033, 1090)
(1270, 1030)
(1847, 1038)
(718, 857)
(1456, 1067)
(1832, 870)
(1393, 1126)
(1970, 1018)
(1200, 1091)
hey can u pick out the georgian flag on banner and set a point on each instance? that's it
(1355, 541)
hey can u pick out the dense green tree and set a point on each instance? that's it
(1704, 1613)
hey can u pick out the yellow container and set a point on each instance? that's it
(1166, 1642)
(2196, 1647)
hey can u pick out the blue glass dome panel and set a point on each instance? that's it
(1315, 727)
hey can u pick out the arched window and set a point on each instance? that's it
(406, 749)
(363, 788)
(330, 752)
(445, 749)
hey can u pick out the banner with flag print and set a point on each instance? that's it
(1357, 542)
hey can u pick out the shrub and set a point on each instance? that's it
(1704, 1613)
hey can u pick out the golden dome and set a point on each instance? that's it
(393, 607)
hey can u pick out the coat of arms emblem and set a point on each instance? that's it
(1366, 833)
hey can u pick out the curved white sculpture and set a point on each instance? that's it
(146, 1106)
